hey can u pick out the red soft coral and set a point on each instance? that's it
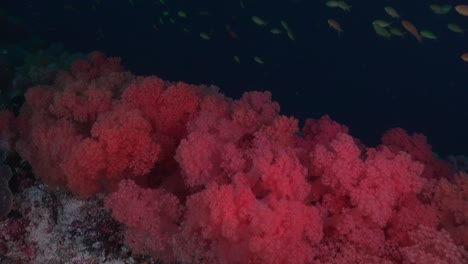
(417, 146)
(227, 224)
(107, 126)
(338, 163)
(387, 179)
(200, 177)
(450, 201)
(151, 217)
(432, 246)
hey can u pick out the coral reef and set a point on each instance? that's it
(180, 172)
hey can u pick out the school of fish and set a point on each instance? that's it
(391, 24)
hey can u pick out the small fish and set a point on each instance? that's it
(411, 29)
(332, 3)
(428, 34)
(396, 32)
(260, 22)
(344, 6)
(335, 25)
(392, 12)
(381, 23)
(242, 5)
(455, 28)
(182, 14)
(236, 59)
(464, 57)
(291, 35)
(131, 2)
(284, 25)
(205, 36)
(258, 60)
(462, 10)
(338, 4)
(440, 10)
(276, 31)
(446, 8)
(381, 31)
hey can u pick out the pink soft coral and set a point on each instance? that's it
(432, 246)
(99, 138)
(228, 224)
(417, 146)
(151, 217)
(199, 177)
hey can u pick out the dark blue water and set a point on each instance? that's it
(366, 82)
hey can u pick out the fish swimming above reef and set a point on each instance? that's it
(462, 10)
(344, 6)
(182, 14)
(428, 34)
(392, 12)
(455, 28)
(335, 25)
(205, 36)
(412, 29)
(396, 32)
(381, 23)
(259, 21)
(331, 3)
(381, 31)
(440, 10)
(464, 57)
(284, 24)
(258, 60)
(276, 31)
(338, 4)
(289, 32)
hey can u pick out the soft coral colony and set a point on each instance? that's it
(201, 178)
